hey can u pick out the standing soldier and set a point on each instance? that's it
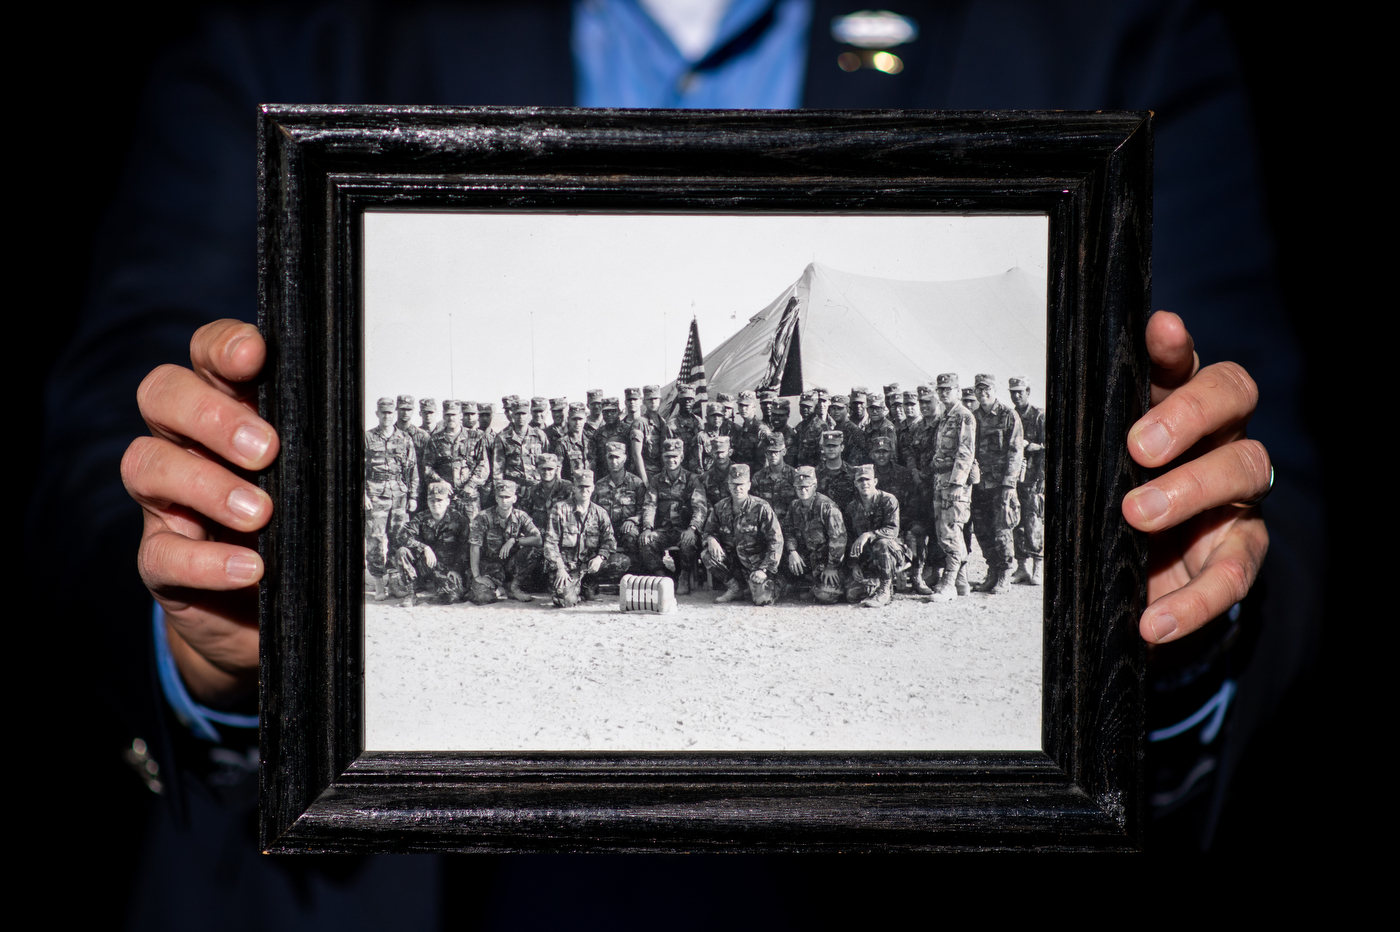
(417, 435)
(649, 430)
(595, 412)
(852, 436)
(716, 425)
(814, 538)
(880, 426)
(969, 399)
(537, 502)
(574, 446)
(860, 397)
(894, 407)
(767, 406)
(518, 448)
(538, 406)
(783, 410)
(427, 410)
(433, 555)
(913, 421)
(749, 429)
(672, 517)
(1029, 536)
(497, 538)
(953, 464)
(715, 478)
(621, 494)
(900, 482)
(634, 432)
(457, 456)
(917, 445)
(743, 543)
(558, 420)
(774, 483)
(815, 422)
(836, 478)
(995, 510)
(688, 424)
(876, 551)
(614, 430)
(578, 542)
(391, 492)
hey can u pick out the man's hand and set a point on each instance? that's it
(507, 547)
(429, 558)
(1204, 553)
(831, 577)
(594, 565)
(795, 564)
(858, 545)
(192, 480)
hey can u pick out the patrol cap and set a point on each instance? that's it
(428, 404)
(486, 407)
(725, 398)
(615, 446)
(859, 393)
(892, 388)
(451, 407)
(768, 394)
(784, 405)
(739, 472)
(864, 471)
(806, 472)
(830, 437)
(505, 487)
(714, 407)
(384, 404)
(719, 442)
(984, 378)
(438, 487)
(926, 392)
(651, 391)
(595, 396)
(547, 461)
(685, 391)
(538, 404)
(583, 477)
(578, 409)
(911, 397)
(875, 401)
(632, 393)
(948, 380)
(509, 400)
(968, 392)
(747, 395)
(556, 403)
(1018, 383)
(838, 401)
(406, 401)
(821, 393)
(518, 405)
(881, 443)
(673, 445)
(807, 398)
(468, 407)
(775, 442)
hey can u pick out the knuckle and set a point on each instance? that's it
(1234, 377)
(156, 384)
(137, 462)
(1253, 458)
(1236, 577)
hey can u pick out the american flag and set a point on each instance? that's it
(693, 359)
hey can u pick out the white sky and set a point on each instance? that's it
(480, 305)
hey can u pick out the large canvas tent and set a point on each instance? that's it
(836, 330)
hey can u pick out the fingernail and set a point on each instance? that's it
(233, 346)
(245, 503)
(241, 566)
(1163, 627)
(1151, 502)
(251, 442)
(1153, 440)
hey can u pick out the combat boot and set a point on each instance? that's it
(881, 597)
(381, 590)
(1001, 583)
(683, 582)
(1021, 577)
(1035, 570)
(917, 577)
(988, 581)
(732, 590)
(518, 594)
(961, 583)
(946, 588)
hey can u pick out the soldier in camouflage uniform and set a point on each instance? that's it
(716, 425)
(672, 516)
(649, 431)
(743, 543)
(767, 406)
(574, 446)
(852, 435)
(880, 426)
(814, 538)
(457, 456)
(900, 482)
(1029, 536)
(427, 410)
(419, 437)
(912, 424)
(688, 424)
(969, 399)
(995, 510)
(783, 412)
(486, 414)
(836, 478)
(775, 482)
(876, 552)
(745, 440)
(432, 558)
(860, 397)
(578, 543)
(894, 407)
(595, 412)
(498, 537)
(515, 455)
(391, 492)
(621, 494)
(537, 501)
(953, 470)
(815, 422)
(726, 401)
(715, 478)
(917, 445)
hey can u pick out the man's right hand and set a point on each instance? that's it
(192, 480)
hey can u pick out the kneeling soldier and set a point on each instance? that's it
(903, 484)
(497, 539)
(537, 502)
(672, 516)
(577, 542)
(876, 553)
(621, 494)
(743, 542)
(814, 536)
(431, 556)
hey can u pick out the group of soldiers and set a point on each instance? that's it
(867, 494)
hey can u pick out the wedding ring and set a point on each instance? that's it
(1254, 501)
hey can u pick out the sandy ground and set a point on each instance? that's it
(793, 676)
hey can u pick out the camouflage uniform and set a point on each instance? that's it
(816, 531)
(836, 484)
(1029, 536)
(751, 539)
(809, 434)
(391, 485)
(516, 453)
(447, 538)
(688, 426)
(995, 510)
(538, 501)
(418, 435)
(490, 531)
(747, 439)
(460, 461)
(622, 499)
(885, 554)
(673, 505)
(574, 539)
(650, 429)
(954, 465)
(618, 432)
(575, 453)
(776, 484)
(901, 482)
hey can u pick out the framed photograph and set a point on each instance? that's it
(701, 481)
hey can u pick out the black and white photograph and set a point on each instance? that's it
(703, 482)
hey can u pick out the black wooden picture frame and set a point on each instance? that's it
(321, 167)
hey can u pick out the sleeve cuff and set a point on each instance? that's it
(197, 718)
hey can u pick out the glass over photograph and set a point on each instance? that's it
(703, 482)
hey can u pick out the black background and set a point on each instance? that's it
(1309, 72)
